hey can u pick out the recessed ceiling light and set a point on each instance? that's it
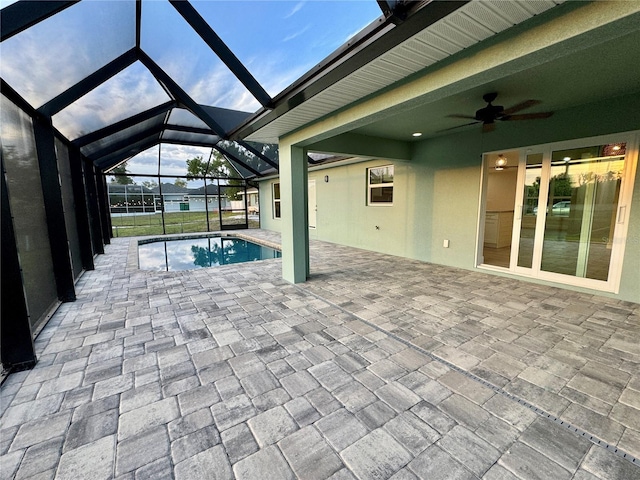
(616, 147)
(416, 134)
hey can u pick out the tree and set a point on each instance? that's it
(121, 175)
(180, 182)
(562, 185)
(196, 167)
(218, 166)
(150, 184)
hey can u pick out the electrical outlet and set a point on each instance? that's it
(445, 244)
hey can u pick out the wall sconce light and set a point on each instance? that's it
(501, 162)
(326, 179)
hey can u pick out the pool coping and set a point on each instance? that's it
(134, 242)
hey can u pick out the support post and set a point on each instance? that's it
(56, 225)
(94, 212)
(103, 205)
(295, 231)
(17, 351)
(82, 211)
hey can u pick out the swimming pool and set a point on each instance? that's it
(199, 252)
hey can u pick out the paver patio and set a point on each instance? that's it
(377, 367)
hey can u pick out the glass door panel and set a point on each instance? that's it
(233, 208)
(570, 212)
(501, 188)
(530, 197)
(584, 187)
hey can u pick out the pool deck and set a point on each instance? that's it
(377, 367)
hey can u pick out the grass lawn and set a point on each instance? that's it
(175, 222)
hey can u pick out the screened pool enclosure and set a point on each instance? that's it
(103, 104)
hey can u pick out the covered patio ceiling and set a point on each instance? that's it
(597, 73)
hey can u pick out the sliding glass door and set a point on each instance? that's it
(570, 211)
(584, 193)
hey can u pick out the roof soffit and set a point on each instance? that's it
(470, 25)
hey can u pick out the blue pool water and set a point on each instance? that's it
(202, 252)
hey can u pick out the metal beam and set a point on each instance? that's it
(17, 351)
(398, 10)
(54, 209)
(124, 124)
(113, 159)
(182, 128)
(372, 42)
(258, 154)
(170, 141)
(92, 202)
(125, 142)
(8, 91)
(82, 211)
(236, 159)
(19, 16)
(138, 22)
(103, 206)
(88, 83)
(180, 95)
(216, 44)
(387, 11)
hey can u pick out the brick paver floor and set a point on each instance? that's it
(377, 367)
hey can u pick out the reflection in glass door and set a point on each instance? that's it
(530, 197)
(570, 214)
(584, 188)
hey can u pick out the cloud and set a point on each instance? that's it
(24, 66)
(131, 91)
(291, 36)
(173, 160)
(47, 58)
(296, 8)
(146, 162)
(220, 88)
(276, 72)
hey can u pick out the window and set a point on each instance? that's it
(380, 185)
(276, 200)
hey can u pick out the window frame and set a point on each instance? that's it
(619, 240)
(277, 206)
(371, 186)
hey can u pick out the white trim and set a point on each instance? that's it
(623, 214)
(274, 200)
(312, 208)
(369, 203)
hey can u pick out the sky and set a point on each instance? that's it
(277, 41)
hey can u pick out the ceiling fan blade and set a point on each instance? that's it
(462, 116)
(457, 126)
(520, 106)
(488, 127)
(527, 116)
